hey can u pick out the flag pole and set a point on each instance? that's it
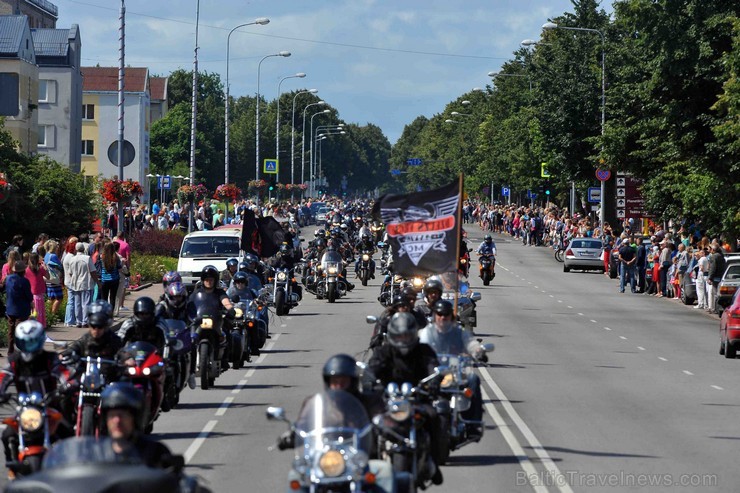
(459, 240)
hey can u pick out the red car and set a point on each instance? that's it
(729, 328)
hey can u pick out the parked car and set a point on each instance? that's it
(614, 258)
(321, 215)
(729, 328)
(201, 248)
(688, 287)
(584, 254)
(729, 284)
(315, 206)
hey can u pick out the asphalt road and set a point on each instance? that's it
(588, 389)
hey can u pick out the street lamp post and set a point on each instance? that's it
(299, 75)
(311, 150)
(303, 138)
(323, 128)
(194, 112)
(257, 122)
(499, 74)
(552, 25)
(261, 21)
(292, 134)
(320, 138)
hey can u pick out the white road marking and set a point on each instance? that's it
(544, 291)
(222, 410)
(594, 321)
(536, 287)
(640, 348)
(662, 358)
(558, 478)
(687, 372)
(289, 318)
(717, 387)
(530, 282)
(283, 325)
(570, 307)
(560, 301)
(193, 448)
(514, 444)
(551, 296)
(623, 338)
(607, 328)
(581, 314)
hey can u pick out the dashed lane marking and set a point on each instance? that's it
(687, 372)
(661, 358)
(717, 387)
(594, 321)
(560, 301)
(570, 307)
(623, 338)
(607, 328)
(222, 410)
(551, 296)
(640, 348)
(581, 314)
(200, 440)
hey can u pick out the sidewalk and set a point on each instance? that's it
(60, 333)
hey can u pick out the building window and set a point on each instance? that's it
(47, 91)
(88, 148)
(88, 111)
(42, 136)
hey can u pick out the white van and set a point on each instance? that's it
(201, 248)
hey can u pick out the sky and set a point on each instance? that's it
(383, 62)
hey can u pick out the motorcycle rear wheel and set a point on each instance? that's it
(204, 359)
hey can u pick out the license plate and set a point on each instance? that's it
(207, 323)
(585, 254)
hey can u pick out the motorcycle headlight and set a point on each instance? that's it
(400, 410)
(132, 370)
(332, 270)
(366, 257)
(447, 381)
(238, 312)
(418, 282)
(332, 463)
(282, 276)
(207, 323)
(463, 261)
(397, 279)
(30, 419)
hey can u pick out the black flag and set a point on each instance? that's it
(272, 235)
(250, 239)
(423, 229)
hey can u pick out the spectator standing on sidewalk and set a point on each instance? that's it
(37, 274)
(53, 265)
(702, 271)
(69, 253)
(641, 264)
(13, 257)
(109, 266)
(19, 300)
(82, 280)
(627, 259)
(664, 263)
(717, 267)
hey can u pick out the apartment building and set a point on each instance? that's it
(40, 13)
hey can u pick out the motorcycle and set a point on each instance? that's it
(456, 397)
(487, 265)
(178, 361)
(36, 422)
(466, 300)
(207, 322)
(282, 296)
(331, 285)
(92, 383)
(332, 439)
(144, 368)
(391, 286)
(365, 271)
(89, 464)
(464, 263)
(403, 439)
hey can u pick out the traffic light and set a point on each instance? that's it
(271, 186)
(547, 188)
(542, 189)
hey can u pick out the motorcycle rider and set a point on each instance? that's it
(405, 359)
(173, 302)
(99, 342)
(209, 277)
(488, 247)
(31, 369)
(365, 245)
(445, 336)
(122, 409)
(285, 259)
(144, 325)
(228, 273)
(433, 289)
(402, 303)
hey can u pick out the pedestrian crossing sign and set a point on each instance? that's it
(270, 167)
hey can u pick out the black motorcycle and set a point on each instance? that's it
(177, 358)
(208, 322)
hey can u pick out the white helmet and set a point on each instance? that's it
(29, 338)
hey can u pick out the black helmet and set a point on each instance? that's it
(209, 271)
(243, 266)
(241, 277)
(443, 307)
(365, 236)
(320, 243)
(488, 239)
(403, 332)
(123, 395)
(409, 293)
(433, 285)
(284, 248)
(400, 300)
(232, 262)
(144, 310)
(319, 233)
(99, 314)
(340, 365)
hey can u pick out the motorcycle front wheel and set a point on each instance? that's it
(204, 358)
(87, 421)
(280, 302)
(331, 293)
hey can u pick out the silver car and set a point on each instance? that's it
(584, 254)
(321, 215)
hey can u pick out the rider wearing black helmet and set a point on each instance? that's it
(405, 359)
(365, 245)
(228, 273)
(433, 289)
(122, 409)
(99, 342)
(402, 303)
(144, 325)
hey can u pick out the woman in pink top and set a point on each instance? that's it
(13, 257)
(37, 275)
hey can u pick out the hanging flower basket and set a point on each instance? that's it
(282, 186)
(257, 184)
(192, 193)
(115, 190)
(227, 192)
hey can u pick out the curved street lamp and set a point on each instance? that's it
(260, 21)
(292, 134)
(257, 125)
(303, 138)
(311, 160)
(299, 75)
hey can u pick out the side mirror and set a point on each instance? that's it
(475, 296)
(302, 240)
(371, 319)
(488, 347)
(276, 414)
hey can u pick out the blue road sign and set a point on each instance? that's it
(414, 161)
(164, 182)
(505, 191)
(396, 172)
(594, 195)
(270, 166)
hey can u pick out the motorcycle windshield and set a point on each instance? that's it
(331, 257)
(332, 416)
(254, 284)
(86, 450)
(138, 350)
(204, 305)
